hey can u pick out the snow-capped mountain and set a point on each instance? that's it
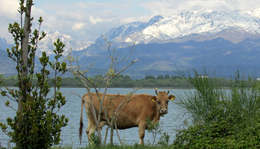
(201, 25)
(46, 44)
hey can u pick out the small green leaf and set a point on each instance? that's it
(7, 103)
(3, 93)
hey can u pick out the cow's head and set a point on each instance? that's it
(162, 100)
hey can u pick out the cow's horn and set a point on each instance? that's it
(168, 92)
(156, 90)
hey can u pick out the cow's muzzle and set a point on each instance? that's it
(163, 111)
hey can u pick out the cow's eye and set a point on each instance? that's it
(158, 102)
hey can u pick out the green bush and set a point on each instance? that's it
(220, 118)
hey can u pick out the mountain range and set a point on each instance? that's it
(205, 24)
(221, 40)
(218, 55)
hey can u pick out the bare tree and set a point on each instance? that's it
(104, 82)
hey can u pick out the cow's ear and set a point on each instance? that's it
(153, 98)
(171, 97)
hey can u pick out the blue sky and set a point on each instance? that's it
(88, 19)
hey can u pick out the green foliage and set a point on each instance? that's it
(94, 140)
(2, 76)
(36, 124)
(149, 77)
(164, 140)
(220, 118)
(121, 81)
(220, 134)
(160, 77)
(167, 76)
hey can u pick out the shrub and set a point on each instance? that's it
(220, 118)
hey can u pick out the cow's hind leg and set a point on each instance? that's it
(142, 125)
(90, 130)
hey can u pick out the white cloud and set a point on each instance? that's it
(8, 9)
(36, 13)
(167, 7)
(106, 15)
(158, 7)
(94, 21)
(78, 26)
(70, 16)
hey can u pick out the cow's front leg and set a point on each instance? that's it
(142, 125)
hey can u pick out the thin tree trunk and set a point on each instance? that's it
(105, 140)
(111, 136)
(24, 45)
(24, 64)
(118, 136)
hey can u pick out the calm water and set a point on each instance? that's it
(72, 109)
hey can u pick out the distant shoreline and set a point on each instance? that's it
(120, 87)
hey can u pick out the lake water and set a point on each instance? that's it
(69, 135)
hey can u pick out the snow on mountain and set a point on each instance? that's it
(204, 22)
(46, 44)
(130, 28)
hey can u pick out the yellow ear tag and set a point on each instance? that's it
(172, 98)
(152, 100)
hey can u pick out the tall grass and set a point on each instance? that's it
(220, 116)
(208, 95)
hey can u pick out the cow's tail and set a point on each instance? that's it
(81, 120)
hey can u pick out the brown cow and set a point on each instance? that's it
(134, 114)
